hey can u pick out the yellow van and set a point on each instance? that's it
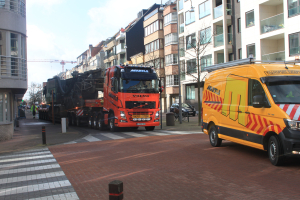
(255, 104)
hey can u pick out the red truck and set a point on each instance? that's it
(130, 98)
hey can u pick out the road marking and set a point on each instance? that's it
(133, 134)
(25, 158)
(91, 138)
(27, 163)
(69, 196)
(112, 136)
(29, 169)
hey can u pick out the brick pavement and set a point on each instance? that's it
(175, 167)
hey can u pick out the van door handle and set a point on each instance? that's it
(239, 111)
(247, 112)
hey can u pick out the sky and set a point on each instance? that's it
(63, 29)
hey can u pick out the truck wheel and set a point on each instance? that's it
(73, 120)
(275, 151)
(90, 122)
(77, 121)
(112, 123)
(100, 123)
(215, 141)
(150, 128)
(95, 123)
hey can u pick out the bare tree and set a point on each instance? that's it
(198, 47)
(35, 93)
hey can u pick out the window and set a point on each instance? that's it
(204, 9)
(2, 4)
(181, 47)
(293, 7)
(191, 66)
(181, 23)
(206, 61)
(251, 50)
(171, 39)
(180, 5)
(162, 80)
(182, 70)
(240, 53)
(205, 36)
(255, 89)
(189, 17)
(23, 47)
(190, 41)
(14, 44)
(5, 107)
(0, 35)
(294, 44)
(153, 27)
(250, 18)
(170, 18)
(172, 80)
(239, 25)
(190, 92)
(153, 46)
(171, 59)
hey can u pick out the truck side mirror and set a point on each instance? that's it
(258, 101)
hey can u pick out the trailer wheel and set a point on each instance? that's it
(77, 121)
(112, 123)
(150, 128)
(100, 122)
(90, 123)
(73, 120)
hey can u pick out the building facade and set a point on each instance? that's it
(13, 63)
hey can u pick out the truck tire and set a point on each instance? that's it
(73, 120)
(77, 121)
(275, 151)
(100, 122)
(112, 127)
(149, 128)
(215, 141)
(90, 122)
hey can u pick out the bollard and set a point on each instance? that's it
(63, 125)
(44, 134)
(115, 189)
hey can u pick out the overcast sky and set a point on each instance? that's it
(63, 29)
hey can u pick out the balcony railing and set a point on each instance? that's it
(18, 7)
(120, 48)
(218, 11)
(274, 56)
(13, 67)
(294, 11)
(218, 40)
(109, 55)
(230, 39)
(181, 28)
(294, 51)
(272, 23)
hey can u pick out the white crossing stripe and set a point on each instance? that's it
(158, 133)
(135, 134)
(31, 177)
(25, 158)
(73, 142)
(112, 136)
(29, 169)
(69, 196)
(37, 187)
(91, 138)
(24, 154)
(183, 132)
(27, 163)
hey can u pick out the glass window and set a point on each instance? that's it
(172, 80)
(171, 59)
(170, 18)
(250, 18)
(240, 53)
(204, 9)
(180, 5)
(206, 61)
(190, 92)
(239, 25)
(152, 28)
(189, 17)
(293, 7)
(205, 36)
(191, 66)
(251, 50)
(171, 39)
(182, 70)
(294, 44)
(181, 23)
(14, 44)
(5, 115)
(191, 41)
(255, 89)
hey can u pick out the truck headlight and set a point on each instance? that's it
(122, 115)
(291, 124)
(157, 114)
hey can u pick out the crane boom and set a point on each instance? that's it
(62, 62)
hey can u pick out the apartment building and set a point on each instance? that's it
(207, 30)
(270, 29)
(13, 63)
(154, 47)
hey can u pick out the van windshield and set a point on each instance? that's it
(285, 92)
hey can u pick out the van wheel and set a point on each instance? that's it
(215, 141)
(275, 151)
(112, 123)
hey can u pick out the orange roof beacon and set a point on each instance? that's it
(254, 103)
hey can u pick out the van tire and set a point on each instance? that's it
(275, 151)
(215, 141)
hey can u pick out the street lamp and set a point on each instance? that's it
(178, 61)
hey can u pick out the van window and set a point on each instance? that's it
(285, 92)
(255, 88)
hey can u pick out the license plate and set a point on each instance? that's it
(140, 123)
(140, 116)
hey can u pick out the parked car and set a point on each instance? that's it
(185, 108)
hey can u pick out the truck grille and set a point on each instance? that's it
(140, 104)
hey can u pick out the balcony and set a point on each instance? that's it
(274, 56)
(120, 48)
(109, 55)
(218, 11)
(121, 61)
(13, 67)
(294, 11)
(272, 23)
(218, 40)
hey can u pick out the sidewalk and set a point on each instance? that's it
(29, 133)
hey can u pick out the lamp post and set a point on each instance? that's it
(178, 60)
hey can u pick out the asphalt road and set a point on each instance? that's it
(176, 167)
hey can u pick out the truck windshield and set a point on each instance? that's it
(285, 92)
(139, 86)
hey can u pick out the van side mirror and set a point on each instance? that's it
(258, 101)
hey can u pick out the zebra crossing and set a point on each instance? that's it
(102, 136)
(33, 174)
